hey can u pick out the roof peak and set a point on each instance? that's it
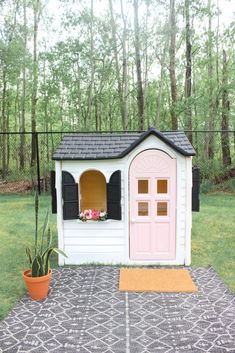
(91, 146)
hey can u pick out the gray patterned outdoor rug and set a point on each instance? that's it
(85, 313)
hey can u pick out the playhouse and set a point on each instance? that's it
(144, 183)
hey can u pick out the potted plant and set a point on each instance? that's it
(38, 276)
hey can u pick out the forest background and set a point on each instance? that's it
(98, 65)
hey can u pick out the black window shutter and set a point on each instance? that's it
(70, 196)
(114, 196)
(53, 193)
(196, 189)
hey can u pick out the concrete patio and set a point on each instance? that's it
(85, 313)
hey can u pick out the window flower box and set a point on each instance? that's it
(93, 216)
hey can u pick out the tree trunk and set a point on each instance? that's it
(87, 119)
(125, 70)
(17, 118)
(225, 114)
(61, 107)
(8, 129)
(22, 114)
(188, 73)
(110, 106)
(35, 82)
(211, 123)
(96, 113)
(46, 120)
(162, 74)
(140, 95)
(78, 88)
(195, 136)
(147, 101)
(119, 81)
(4, 126)
(174, 94)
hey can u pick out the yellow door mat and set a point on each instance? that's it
(155, 280)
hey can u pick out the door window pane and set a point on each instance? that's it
(143, 186)
(162, 209)
(143, 209)
(162, 186)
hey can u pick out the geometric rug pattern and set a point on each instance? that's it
(85, 313)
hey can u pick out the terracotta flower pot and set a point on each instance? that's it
(37, 286)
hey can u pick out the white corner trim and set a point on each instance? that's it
(188, 211)
(60, 229)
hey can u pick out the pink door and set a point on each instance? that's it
(152, 206)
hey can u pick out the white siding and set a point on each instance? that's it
(91, 242)
(77, 258)
(108, 242)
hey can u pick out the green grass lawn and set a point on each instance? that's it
(17, 232)
(213, 235)
(213, 240)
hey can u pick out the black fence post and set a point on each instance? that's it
(196, 189)
(38, 163)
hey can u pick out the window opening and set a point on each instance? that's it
(93, 191)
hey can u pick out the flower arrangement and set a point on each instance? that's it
(93, 215)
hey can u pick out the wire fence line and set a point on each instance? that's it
(18, 163)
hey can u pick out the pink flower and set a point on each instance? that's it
(86, 214)
(95, 214)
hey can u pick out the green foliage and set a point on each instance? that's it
(16, 231)
(227, 186)
(210, 169)
(207, 186)
(39, 256)
(213, 241)
(65, 64)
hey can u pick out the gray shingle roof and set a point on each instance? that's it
(83, 146)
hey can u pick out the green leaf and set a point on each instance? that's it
(47, 261)
(36, 219)
(58, 251)
(45, 225)
(48, 254)
(47, 267)
(35, 267)
(45, 252)
(41, 269)
(28, 253)
(46, 221)
(49, 237)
